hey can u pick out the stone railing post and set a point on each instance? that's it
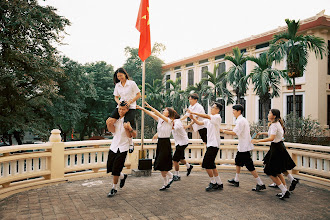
(56, 162)
(295, 159)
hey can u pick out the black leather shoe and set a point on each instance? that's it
(169, 183)
(211, 187)
(293, 184)
(278, 194)
(218, 187)
(273, 185)
(259, 188)
(286, 195)
(122, 181)
(176, 178)
(189, 169)
(112, 192)
(232, 181)
(163, 188)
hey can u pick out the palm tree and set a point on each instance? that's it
(295, 47)
(155, 96)
(219, 82)
(266, 81)
(236, 74)
(175, 96)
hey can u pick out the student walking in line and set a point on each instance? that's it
(243, 156)
(198, 108)
(125, 90)
(122, 132)
(163, 160)
(277, 159)
(181, 142)
(212, 123)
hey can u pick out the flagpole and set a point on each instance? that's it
(142, 112)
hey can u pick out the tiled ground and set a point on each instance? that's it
(186, 199)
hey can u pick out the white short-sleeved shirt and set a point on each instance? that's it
(179, 133)
(120, 140)
(198, 108)
(213, 130)
(164, 128)
(127, 92)
(277, 130)
(242, 130)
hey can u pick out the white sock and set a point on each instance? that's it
(236, 177)
(187, 165)
(283, 188)
(130, 140)
(212, 180)
(165, 180)
(169, 175)
(218, 180)
(114, 186)
(290, 177)
(121, 176)
(259, 181)
(176, 173)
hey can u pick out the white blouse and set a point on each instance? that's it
(120, 140)
(127, 92)
(164, 128)
(213, 130)
(198, 108)
(242, 130)
(277, 130)
(179, 133)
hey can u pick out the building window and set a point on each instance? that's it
(243, 103)
(189, 135)
(223, 111)
(261, 109)
(299, 104)
(190, 77)
(222, 68)
(328, 57)
(178, 76)
(167, 83)
(204, 75)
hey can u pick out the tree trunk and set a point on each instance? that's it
(17, 137)
(264, 122)
(294, 111)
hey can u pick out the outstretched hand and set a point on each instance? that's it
(139, 107)
(147, 105)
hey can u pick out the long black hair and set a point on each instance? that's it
(119, 70)
(278, 118)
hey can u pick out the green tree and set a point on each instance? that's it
(99, 105)
(176, 97)
(266, 81)
(73, 88)
(133, 64)
(295, 48)
(219, 82)
(29, 66)
(236, 74)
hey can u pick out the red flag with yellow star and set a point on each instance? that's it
(143, 26)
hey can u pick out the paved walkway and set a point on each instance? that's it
(186, 199)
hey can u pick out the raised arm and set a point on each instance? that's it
(117, 99)
(130, 132)
(157, 113)
(148, 112)
(199, 115)
(196, 121)
(270, 138)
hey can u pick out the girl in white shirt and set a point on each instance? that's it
(277, 159)
(125, 90)
(163, 160)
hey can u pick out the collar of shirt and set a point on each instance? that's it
(126, 84)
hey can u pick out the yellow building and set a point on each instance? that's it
(312, 90)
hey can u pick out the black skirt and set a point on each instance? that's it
(163, 160)
(277, 160)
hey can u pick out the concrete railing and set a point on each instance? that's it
(26, 166)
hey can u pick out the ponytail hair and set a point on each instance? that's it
(278, 118)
